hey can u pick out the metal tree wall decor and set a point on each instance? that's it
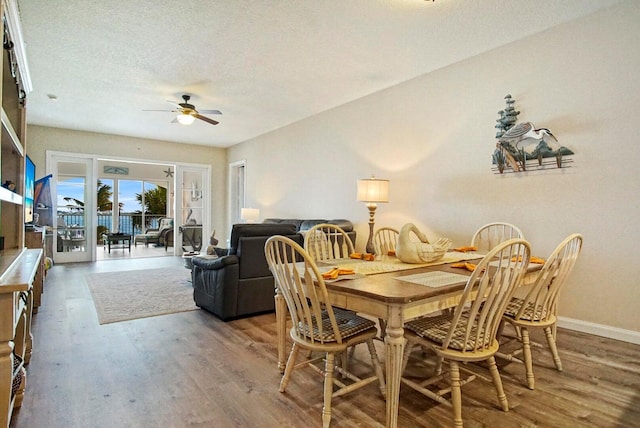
(523, 147)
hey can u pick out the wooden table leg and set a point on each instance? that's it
(394, 341)
(281, 327)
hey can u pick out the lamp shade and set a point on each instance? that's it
(185, 119)
(373, 190)
(249, 215)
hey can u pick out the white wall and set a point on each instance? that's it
(433, 138)
(40, 139)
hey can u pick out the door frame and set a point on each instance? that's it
(184, 192)
(92, 180)
(237, 190)
(90, 213)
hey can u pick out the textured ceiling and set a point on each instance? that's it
(264, 64)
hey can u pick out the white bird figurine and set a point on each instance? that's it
(525, 130)
(410, 251)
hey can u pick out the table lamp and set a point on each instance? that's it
(371, 191)
(249, 215)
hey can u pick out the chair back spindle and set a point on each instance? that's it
(385, 240)
(492, 234)
(327, 242)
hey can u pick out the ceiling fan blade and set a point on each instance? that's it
(175, 120)
(206, 119)
(210, 111)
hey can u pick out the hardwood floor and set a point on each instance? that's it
(192, 370)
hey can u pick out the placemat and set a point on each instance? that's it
(434, 279)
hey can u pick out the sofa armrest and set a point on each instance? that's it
(213, 264)
(220, 252)
(216, 285)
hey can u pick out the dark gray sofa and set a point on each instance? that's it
(238, 283)
(304, 225)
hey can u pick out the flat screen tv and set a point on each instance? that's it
(29, 182)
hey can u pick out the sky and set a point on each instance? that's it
(74, 188)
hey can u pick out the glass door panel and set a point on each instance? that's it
(128, 216)
(192, 212)
(104, 201)
(73, 225)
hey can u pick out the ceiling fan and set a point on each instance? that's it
(187, 112)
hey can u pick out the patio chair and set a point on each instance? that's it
(539, 307)
(70, 238)
(154, 235)
(316, 326)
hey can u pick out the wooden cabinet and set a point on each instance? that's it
(13, 93)
(16, 304)
(19, 267)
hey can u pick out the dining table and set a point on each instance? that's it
(396, 292)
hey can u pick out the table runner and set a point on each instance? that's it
(393, 264)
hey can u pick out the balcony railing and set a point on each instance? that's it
(129, 223)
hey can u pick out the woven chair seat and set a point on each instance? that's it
(349, 325)
(17, 380)
(436, 329)
(529, 314)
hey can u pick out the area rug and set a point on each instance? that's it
(127, 295)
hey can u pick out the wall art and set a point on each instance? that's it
(523, 147)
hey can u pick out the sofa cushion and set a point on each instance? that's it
(304, 225)
(343, 224)
(296, 222)
(211, 263)
(259, 229)
(308, 224)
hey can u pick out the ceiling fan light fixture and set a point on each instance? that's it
(185, 119)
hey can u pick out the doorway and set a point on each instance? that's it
(72, 198)
(237, 172)
(77, 180)
(133, 207)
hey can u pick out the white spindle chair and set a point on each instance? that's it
(468, 333)
(539, 306)
(492, 234)
(385, 240)
(316, 326)
(328, 242)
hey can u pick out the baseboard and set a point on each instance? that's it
(629, 336)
